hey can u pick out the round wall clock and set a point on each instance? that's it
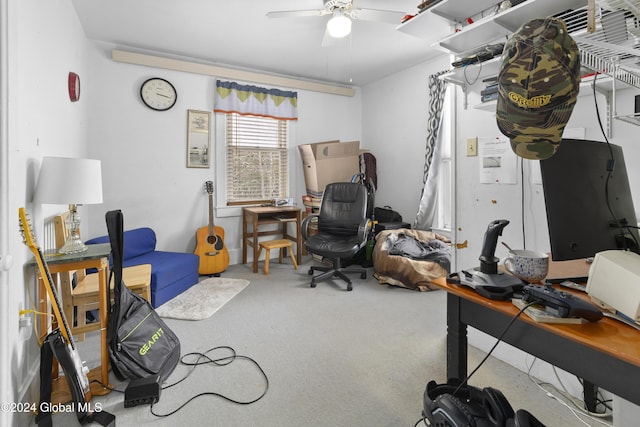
(74, 86)
(158, 94)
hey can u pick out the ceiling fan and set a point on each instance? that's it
(342, 12)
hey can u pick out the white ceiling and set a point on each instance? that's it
(237, 33)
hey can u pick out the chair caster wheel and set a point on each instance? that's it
(313, 284)
(363, 275)
(310, 272)
(349, 287)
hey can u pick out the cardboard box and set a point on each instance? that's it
(327, 162)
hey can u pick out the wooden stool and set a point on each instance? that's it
(281, 244)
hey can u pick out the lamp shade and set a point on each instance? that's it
(339, 25)
(65, 181)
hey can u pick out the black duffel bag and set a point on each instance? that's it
(140, 343)
(386, 214)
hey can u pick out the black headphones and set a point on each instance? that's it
(470, 406)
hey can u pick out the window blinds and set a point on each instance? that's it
(257, 159)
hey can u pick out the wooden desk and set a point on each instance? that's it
(260, 216)
(97, 256)
(604, 353)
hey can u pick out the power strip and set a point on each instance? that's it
(142, 391)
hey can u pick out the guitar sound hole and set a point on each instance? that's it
(216, 242)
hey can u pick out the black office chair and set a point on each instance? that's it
(343, 228)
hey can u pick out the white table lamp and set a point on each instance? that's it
(73, 182)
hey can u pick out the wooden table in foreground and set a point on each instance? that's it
(264, 215)
(604, 354)
(97, 256)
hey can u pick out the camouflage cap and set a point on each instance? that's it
(538, 87)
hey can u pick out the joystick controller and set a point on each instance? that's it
(488, 260)
(486, 279)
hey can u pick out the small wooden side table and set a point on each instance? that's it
(255, 217)
(97, 256)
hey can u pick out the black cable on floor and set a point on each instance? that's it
(204, 359)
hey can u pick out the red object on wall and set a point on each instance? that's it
(74, 86)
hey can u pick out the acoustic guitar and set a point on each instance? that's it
(210, 248)
(75, 371)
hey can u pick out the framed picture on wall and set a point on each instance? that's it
(198, 143)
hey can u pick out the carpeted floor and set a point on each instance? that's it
(333, 358)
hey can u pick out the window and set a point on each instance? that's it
(257, 159)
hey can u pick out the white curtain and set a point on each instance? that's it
(427, 208)
(429, 196)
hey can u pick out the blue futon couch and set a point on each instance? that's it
(171, 272)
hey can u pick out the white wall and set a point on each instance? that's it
(394, 128)
(144, 151)
(45, 43)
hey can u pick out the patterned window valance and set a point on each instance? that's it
(232, 97)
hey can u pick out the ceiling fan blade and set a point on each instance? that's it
(389, 16)
(296, 13)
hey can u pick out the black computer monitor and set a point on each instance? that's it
(588, 203)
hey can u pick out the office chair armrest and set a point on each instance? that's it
(363, 230)
(305, 225)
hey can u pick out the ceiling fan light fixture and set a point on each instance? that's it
(339, 25)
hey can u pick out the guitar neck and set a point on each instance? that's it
(53, 296)
(30, 241)
(211, 224)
